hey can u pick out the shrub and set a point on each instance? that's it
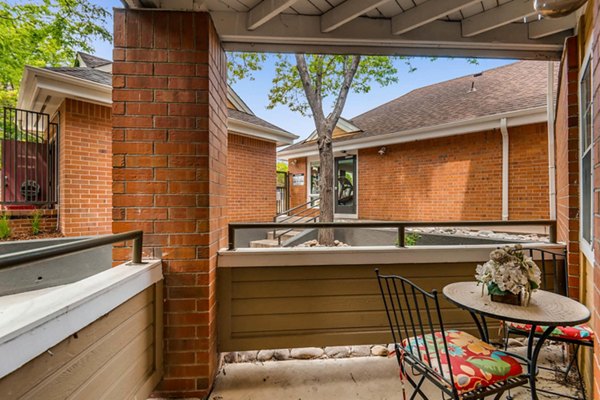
(36, 222)
(410, 239)
(4, 227)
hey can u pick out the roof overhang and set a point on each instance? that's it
(513, 118)
(457, 28)
(243, 128)
(44, 90)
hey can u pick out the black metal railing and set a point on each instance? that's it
(29, 158)
(282, 192)
(308, 212)
(401, 226)
(44, 253)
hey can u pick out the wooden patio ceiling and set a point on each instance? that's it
(480, 28)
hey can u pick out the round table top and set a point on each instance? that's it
(545, 308)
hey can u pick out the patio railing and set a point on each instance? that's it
(401, 226)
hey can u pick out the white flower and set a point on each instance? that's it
(510, 270)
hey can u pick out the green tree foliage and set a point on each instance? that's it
(44, 33)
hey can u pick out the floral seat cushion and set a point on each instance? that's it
(474, 363)
(577, 332)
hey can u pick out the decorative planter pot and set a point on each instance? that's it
(508, 298)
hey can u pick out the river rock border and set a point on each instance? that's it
(309, 353)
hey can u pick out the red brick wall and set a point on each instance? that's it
(250, 179)
(85, 169)
(20, 222)
(170, 166)
(567, 161)
(456, 178)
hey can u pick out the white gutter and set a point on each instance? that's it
(489, 122)
(249, 129)
(551, 143)
(505, 162)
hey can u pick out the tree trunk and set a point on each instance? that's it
(326, 186)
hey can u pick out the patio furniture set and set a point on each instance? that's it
(463, 366)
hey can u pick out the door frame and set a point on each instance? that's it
(337, 154)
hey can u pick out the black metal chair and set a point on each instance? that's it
(581, 335)
(459, 364)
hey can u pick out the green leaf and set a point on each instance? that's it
(491, 366)
(494, 289)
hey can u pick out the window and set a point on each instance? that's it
(585, 140)
(315, 171)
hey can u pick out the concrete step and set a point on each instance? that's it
(285, 235)
(296, 219)
(264, 244)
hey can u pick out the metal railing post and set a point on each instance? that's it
(401, 235)
(136, 252)
(231, 236)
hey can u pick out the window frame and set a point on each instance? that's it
(587, 64)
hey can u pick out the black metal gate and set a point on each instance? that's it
(29, 163)
(283, 192)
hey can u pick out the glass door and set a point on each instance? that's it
(345, 193)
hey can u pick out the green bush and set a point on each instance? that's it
(36, 222)
(4, 227)
(410, 239)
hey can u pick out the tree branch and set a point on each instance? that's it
(314, 98)
(349, 73)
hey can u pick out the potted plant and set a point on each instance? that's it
(509, 275)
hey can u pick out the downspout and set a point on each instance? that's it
(504, 131)
(551, 144)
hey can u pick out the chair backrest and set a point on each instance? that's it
(415, 313)
(554, 269)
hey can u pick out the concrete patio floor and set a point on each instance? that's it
(373, 378)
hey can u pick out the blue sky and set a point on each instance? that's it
(255, 93)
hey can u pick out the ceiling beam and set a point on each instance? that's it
(346, 12)
(550, 26)
(266, 10)
(425, 13)
(298, 33)
(497, 17)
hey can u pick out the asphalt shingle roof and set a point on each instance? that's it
(513, 87)
(252, 119)
(89, 74)
(93, 61)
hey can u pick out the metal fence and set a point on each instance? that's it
(283, 192)
(29, 159)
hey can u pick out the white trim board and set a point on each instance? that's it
(362, 255)
(514, 118)
(45, 318)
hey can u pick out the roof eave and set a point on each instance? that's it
(514, 118)
(244, 128)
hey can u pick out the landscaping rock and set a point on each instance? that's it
(265, 355)
(337, 351)
(361, 351)
(230, 358)
(307, 353)
(379, 351)
(281, 354)
(247, 356)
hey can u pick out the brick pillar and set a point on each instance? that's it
(85, 168)
(567, 157)
(169, 158)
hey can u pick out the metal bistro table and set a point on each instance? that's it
(545, 309)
